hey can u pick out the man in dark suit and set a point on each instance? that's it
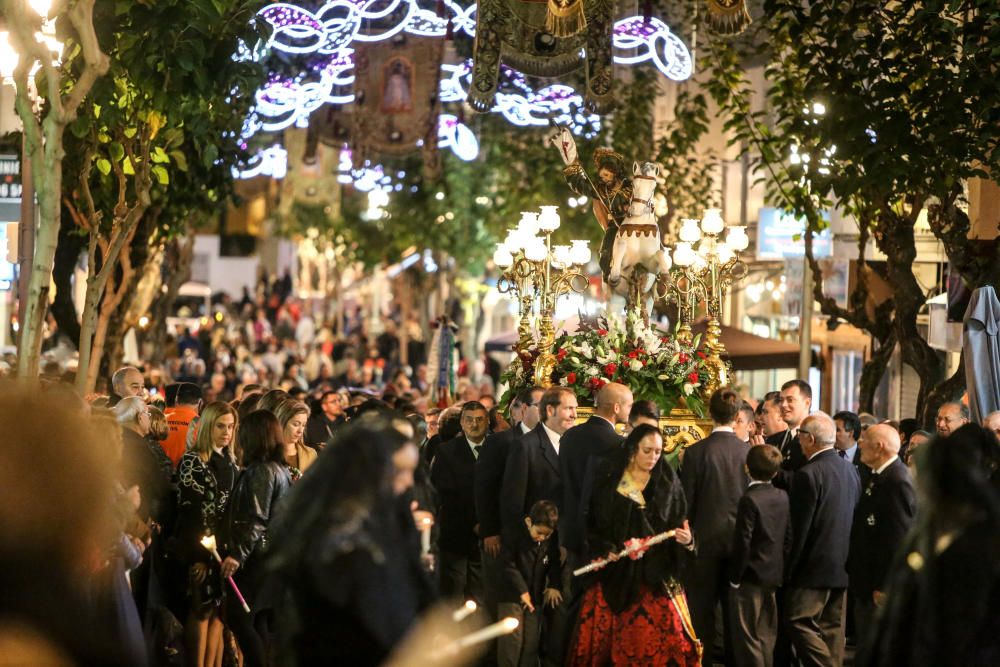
(714, 480)
(453, 475)
(761, 541)
(532, 471)
(532, 474)
(580, 450)
(882, 519)
(796, 402)
(823, 495)
(489, 485)
(848, 433)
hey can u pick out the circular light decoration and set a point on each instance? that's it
(272, 161)
(458, 137)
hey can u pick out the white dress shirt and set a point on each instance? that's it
(553, 437)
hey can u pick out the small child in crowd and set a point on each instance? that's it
(532, 577)
(762, 540)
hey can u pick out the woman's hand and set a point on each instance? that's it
(683, 534)
(229, 566)
(553, 598)
(198, 572)
(526, 602)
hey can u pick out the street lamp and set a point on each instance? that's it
(705, 265)
(532, 267)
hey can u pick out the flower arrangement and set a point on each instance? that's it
(654, 365)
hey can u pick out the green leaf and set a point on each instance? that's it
(127, 167)
(103, 166)
(209, 155)
(179, 159)
(130, 132)
(161, 174)
(160, 156)
(117, 151)
(79, 127)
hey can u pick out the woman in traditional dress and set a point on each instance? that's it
(634, 611)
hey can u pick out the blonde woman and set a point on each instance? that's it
(293, 415)
(205, 478)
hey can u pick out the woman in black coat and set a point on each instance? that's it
(634, 611)
(261, 485)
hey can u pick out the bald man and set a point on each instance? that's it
(950, 417)
(583, 445)
(881, 520)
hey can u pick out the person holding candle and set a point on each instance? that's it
(261, 485)
(634, 610)
(205, 478)
(347, 553)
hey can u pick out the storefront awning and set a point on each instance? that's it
(749, 352)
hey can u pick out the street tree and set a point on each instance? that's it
(883, 111)
(59, 93)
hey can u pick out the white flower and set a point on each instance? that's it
(563, 382)
(585, 349)
(688, 388)
(635, 365)
(591, 371)
(574, 360)
(661, 376)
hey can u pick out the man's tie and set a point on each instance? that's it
(842, 453)
(475, 452)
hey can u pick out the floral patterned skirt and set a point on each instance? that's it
(651, 632)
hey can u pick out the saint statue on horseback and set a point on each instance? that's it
(631, 256)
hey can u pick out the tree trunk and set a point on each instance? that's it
(179, 254)
(71, 243)
(139, 250)
(872, 372)
(46, 154)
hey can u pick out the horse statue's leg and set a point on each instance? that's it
(617, 258)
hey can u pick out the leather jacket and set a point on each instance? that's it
(257, 491)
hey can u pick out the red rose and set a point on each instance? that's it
(610, 369)
(561, 354)
(693, 377)
(602, 332)
(665, 339)
(701, 355)
(599, 384)
(682, 358)
(571, 377)
(633, 354)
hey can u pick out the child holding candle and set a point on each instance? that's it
(532, 577)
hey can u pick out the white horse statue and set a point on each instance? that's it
(638, 256)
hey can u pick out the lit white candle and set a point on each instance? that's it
(504, 627)
(425, 535)
(464, 611)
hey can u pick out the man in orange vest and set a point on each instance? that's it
(181, 417)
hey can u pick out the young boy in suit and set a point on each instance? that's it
(761, 543)
(532, 577)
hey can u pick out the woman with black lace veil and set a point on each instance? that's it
(634, 611)
(347, 552)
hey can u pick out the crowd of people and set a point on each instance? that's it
(316, 522)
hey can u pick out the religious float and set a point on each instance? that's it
(671, 367)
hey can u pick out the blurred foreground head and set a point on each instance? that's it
(57, 481)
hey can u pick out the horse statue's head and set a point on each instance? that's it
(643, 186)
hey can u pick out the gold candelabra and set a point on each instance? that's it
(535, 270)
(704, 266)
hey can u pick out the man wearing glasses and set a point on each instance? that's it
(321, 426)
(823, 495)
(453, 475)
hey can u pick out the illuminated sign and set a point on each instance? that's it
(779, 235)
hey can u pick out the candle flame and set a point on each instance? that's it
(510, 624)
(470, 605)
(208, 542)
